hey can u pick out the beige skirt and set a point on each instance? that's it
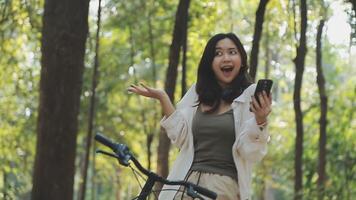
(224, 186)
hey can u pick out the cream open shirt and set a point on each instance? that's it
(250, 145)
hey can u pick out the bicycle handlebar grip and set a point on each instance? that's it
(105, 141)
(205, 192)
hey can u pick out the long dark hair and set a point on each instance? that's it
(207, 87)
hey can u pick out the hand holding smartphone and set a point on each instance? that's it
(263, 85)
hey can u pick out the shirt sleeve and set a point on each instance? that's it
(253, 141)
(176, 127)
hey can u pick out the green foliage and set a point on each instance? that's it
(19, 76)
(125, 57)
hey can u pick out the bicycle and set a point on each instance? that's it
(124, 156)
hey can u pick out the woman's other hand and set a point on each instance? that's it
(154, 93)
(146, 91)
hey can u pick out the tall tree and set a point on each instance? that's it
(184, 59)
(151, 42)
(150, 132)
(267, 53)
(299, 70)
(171, 79)
(352, 21)
(5, 185)
(323, 111)
(260, 13)
(64, 32)
(91, 119)
(230, 10)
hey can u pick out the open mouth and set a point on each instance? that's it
(227, 69)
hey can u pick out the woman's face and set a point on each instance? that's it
(227, 62)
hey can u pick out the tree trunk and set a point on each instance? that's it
(4, 192)
(170, 83)
(295, 21)
(257, 37)
(147, 132)
(93, 177)
(299, 65)
(231, 15)
(323, 112)
(184, 60)
(89, 138)
(152, 47)
(64, 32)
(150, 132)
(118, 184)
(353, 23)
(267, 54)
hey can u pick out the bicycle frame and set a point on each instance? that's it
(123, 154)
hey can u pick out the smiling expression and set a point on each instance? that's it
(227, 62)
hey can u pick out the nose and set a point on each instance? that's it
(226, 57)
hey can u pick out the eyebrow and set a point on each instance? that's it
(227, 48)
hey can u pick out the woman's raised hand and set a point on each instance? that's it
(159, 94)
(146, 91)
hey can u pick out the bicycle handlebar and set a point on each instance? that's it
(121, 150)
(124, 155)
(105, 141)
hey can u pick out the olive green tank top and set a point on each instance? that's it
(214, 135)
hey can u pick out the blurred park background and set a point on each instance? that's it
(65, 66)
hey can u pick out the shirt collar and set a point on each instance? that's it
(242, 98)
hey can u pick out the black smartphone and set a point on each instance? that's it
(263, 85)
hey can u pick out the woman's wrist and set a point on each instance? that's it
(163, 96)
(261, 121)
(166, 104)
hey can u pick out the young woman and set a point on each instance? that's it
(219, 127)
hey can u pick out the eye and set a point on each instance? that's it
(218, 53)
(233, 52)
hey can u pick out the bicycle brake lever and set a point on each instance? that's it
(124, 154)
(106, 153)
